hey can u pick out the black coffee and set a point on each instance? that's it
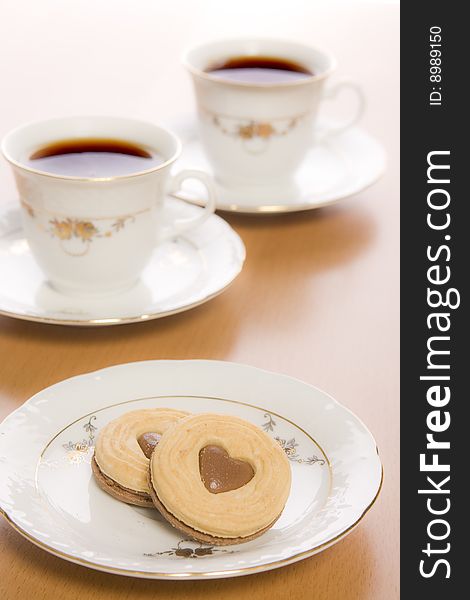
(259, 69)
(94, 157)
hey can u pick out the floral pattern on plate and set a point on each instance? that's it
(55, 502)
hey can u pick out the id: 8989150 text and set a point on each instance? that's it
(435, 65)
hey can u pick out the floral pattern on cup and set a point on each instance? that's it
(82, 230)
(254, 134)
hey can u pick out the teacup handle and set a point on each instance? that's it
(330, 94)
(181, 225)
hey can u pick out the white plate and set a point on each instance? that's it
(48, 494)
(336, 168)
(182, 273)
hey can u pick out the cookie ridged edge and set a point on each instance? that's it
(199, 536)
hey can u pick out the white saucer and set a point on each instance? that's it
(183, 273)
(336, 168)
(48, 493)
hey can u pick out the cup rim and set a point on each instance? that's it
(231, 83)
(20, 165)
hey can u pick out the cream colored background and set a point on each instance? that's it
(318, 298)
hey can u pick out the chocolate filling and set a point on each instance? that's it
(110, 483)
(148, 441)
(221, 473)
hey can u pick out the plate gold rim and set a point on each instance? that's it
(202, 575)
(206, 574)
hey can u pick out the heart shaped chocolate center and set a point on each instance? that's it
(220, 473)
(148, 441)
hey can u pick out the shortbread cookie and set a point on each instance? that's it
(219, 479)
(123, 449)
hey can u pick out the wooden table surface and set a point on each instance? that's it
(317, 299)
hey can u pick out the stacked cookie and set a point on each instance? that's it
(217, 478)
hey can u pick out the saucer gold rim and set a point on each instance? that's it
(28, 312)
(277, 209)
(186, 127)
(119, 320)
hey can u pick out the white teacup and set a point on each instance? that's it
(97, 234)
(258, 133)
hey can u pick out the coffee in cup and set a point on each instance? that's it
(92, 190)
(93, 157)
(259, 69)
(258, 101)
